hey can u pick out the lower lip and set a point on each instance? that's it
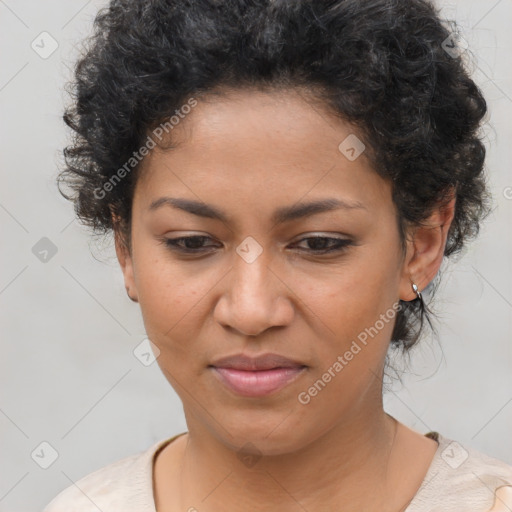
(257, 383)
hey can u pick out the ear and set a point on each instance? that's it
(125, 260)
(425, 250)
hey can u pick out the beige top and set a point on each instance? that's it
(458, 478)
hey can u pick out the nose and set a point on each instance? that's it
(254, 298)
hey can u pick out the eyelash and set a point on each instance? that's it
(172, 244)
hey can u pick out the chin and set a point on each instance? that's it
(262, 436)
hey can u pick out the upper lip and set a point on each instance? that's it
(262, 362)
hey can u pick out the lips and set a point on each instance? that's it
(263, 362)
(256, 376)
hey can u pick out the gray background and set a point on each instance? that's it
(68, 374)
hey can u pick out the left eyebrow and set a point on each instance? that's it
(289, 213)
(280, 216)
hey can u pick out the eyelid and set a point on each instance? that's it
(175, 239)
(302, 236)
(338, 243)
(344, 242)
(323, 234)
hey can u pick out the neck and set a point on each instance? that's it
(347, 465)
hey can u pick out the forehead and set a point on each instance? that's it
(260, 147)
(287, 117)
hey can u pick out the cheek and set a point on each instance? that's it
(352, 295)
(170, 296)
(353, 310)
(350, 353)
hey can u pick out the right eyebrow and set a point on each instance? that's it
(190, 206)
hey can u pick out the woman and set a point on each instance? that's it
(283, 179)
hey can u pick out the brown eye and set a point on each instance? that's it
(188, 244)
(322, 244)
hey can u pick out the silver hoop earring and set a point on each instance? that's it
(416, 291)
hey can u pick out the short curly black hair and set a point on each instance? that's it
(389, 67)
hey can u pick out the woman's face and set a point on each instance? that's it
(259, 284)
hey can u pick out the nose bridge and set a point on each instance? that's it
(253, 302)
(251, 276)
(251, 285)
(251, 264)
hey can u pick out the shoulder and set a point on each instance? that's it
(462, 477)
(463, 462)
(125, 485)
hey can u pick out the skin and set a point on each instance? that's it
(502, 499)
(247, 153)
